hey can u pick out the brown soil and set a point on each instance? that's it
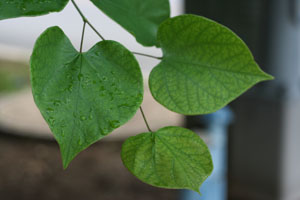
(31, 170)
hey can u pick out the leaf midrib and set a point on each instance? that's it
(171, 59)
(178, 160)
(76, 107)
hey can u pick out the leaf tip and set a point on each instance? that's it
(197, 189)
(66, 163)
(66, 159)
(269, 77)
(265, 76)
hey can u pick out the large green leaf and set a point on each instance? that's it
(204, 66)
(19, 8)
(172, 157)
(140, 17)
(83, 96)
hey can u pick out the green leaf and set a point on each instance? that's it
(83, 96)
(20, 8)
(172, 157)
(204, 66)
(140, 17)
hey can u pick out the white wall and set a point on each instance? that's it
(17, 36)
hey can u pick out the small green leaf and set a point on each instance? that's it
(172, 157)
(20, 8)
(83, 96)
(140, 17)
(204, 67)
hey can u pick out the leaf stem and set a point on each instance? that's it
(95, 30)
(86, 20)
(146, 55)
(145, 120)
(82, 36)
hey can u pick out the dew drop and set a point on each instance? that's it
(56, 103)
(69, 76)
(104, 131)
(101, 131)
(49, 110)
(70, 88)
(82, 118)
(114, 124)
(102, 88)
(123, 105)
(63, 124)
(51, 121)
(80, 77)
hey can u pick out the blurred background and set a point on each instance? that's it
(255, 141)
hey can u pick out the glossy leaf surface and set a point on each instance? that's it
(83, 96)
(172, 157)
(20, 8)
(140, 17)
(204, 66)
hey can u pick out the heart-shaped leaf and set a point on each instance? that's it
(140, 17)
(83, 96)
(172, 157)
(204, 66)
(19, 8)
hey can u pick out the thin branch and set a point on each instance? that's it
(82, 36)
(145, 120)
(79, 11)
(95, 30)
(86, 20)
(146, 55)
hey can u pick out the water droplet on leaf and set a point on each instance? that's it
(49, 110)
(114, 124)
(56, 103)
(80, 77)
(51, 121)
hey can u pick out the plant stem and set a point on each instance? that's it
(95, 30)
(86, 20)
(145, 120)
(82, 36)
(142, 54)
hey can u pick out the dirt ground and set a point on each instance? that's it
(31, 169)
